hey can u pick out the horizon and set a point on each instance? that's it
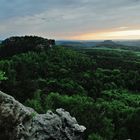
(71, 19)
(74, 40)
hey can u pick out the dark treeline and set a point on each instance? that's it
(100, 88)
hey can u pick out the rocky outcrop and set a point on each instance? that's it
(18, 122)
(23, 44)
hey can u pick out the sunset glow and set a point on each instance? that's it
(127, 34)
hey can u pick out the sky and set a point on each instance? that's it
(71, 19)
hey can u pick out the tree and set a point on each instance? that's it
(95, 137)
(2, 76)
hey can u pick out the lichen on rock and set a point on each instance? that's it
(18, 122)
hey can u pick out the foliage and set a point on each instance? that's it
(99, 87)
(2, 76)
(95, 137)
(36, 102)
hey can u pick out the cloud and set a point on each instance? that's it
(66, 18)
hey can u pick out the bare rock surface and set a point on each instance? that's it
(18, 122)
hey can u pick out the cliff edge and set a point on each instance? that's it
(18, 122)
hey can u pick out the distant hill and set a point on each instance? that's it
(129, 42)
(77, 43)
(87, 43)
(108, 42)
(70, 43)
(117, 45)
(127, 45)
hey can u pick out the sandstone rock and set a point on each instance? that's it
(18, 122)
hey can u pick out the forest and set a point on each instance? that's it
(100, 87)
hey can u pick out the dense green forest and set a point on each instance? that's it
(99, 87)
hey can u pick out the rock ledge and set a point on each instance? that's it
(18, 122)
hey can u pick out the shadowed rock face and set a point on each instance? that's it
(18, 122)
